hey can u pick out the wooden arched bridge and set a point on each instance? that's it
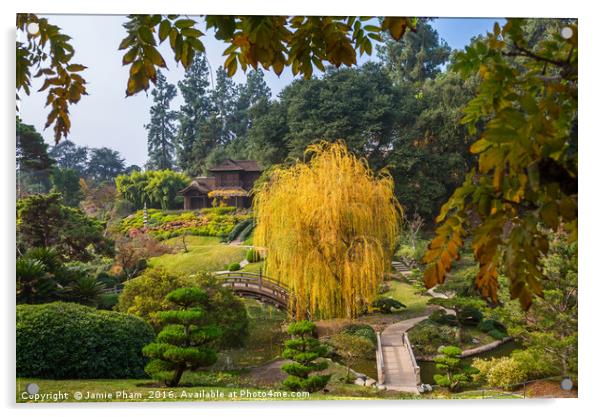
(256, 286)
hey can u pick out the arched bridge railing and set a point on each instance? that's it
(257, 286)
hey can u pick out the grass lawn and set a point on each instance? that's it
(415, 302)
(205, 254)
(140, 390)
(146, 390)
(254, 267)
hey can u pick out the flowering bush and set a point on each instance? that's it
(218, 221)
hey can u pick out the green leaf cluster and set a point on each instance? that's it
(158, 189)
(44, 221)
(526, 178)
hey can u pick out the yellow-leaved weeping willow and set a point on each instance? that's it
(329, 228)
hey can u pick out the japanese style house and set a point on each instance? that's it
(230, 182)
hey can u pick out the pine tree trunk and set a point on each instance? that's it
(177, 376)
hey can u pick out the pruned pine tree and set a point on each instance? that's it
(184, 343)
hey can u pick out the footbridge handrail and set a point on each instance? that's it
(253, 285)
(380, 361)
(406, 342)
(252, 276)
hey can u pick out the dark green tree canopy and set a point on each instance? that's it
(34, 164)
(358, 105)
(68, 155)
(44, 221)
(66, 182)
(104, 165)
(32, 152)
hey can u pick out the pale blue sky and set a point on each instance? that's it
(106, 118)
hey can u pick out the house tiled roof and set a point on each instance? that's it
(202, 184)
(237, 165)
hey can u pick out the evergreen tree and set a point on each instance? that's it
(194, 115)
(359, 105)
(266, 138)
(304, 350)
(416, 57)
(185, 341)
(250, 94)
(162, 129)
(105, 164)
(224, 98)
(456, 374)
(70, 156)
(66, 182)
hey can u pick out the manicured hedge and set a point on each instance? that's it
(71, 341)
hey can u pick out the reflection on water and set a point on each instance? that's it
(264, 342)
(366, 366)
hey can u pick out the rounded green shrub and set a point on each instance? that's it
(234, 266)
(364, 330)
(70, 341)
(386, 305)
(496, 334)
(488, 325)
(441, 317)
(536, 363)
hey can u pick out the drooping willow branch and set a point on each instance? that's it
(329, 226)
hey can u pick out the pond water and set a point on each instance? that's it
(367, 366)
(428, 369)
(263, 343)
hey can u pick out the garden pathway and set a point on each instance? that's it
(399, 365)
(401, 373)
